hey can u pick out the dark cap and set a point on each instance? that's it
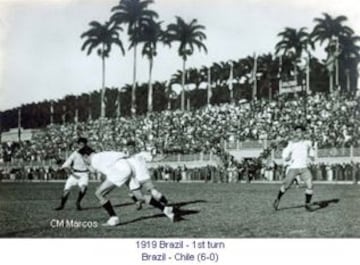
(131, 143)
(82, 140)
(59, 161)
(300, 126)
(86, 151)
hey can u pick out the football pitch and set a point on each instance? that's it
(206, 210)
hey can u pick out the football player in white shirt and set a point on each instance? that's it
(142, 175)
(286, 163)
(298, 154)
(78, 175)
(116, 167)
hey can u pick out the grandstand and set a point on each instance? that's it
(215, 136)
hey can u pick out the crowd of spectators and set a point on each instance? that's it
(332, 120)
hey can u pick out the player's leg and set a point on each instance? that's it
(289, 178)
(83, 184)
(137, 197)
(296, 181)
(117, 175)
(137, 202)
(63, 199)
(307, 178)
(150, 200)
(82, 192)
(155, 193)
(70, 182)
(105, 188)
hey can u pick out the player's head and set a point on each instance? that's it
(86, 153)
(299, 131)
(283, 143)
(82, 142)
(131, 146)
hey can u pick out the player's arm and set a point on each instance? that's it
(159, 157)
(311, 152)
(286, 153)
(68, 162)
(148, 157)
(67, 165)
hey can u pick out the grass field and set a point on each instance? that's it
(206, 210)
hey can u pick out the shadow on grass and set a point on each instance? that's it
(319, 205)
(175, 205)
(181, 204)
(179, 213)
(100, 207)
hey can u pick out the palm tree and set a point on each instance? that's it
(176, 78)
(268, 67)
(188, 35)
(328, 27)
(102, 35)
(151, 35)
(293, 43)
(205, 77)
(194, 77)
(136, 14)
(349, 58)
(216, 71)
(330, 30)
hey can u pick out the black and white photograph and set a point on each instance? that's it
(172, 119)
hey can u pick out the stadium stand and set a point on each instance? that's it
(211, 136)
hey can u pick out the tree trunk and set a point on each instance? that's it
(231, 77)
(133, 90)
(19, 124)
(254, 92)
(183, 87)
(168, 95)
(308, 75)
(209, 93)
(102, 98)
(118, 106)
(150, 92)
(347, 72)
(89, 108)
(270, 90)
(331, 82)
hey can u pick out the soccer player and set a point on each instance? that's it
(298, 153)
(286, 163)
(116, 167)
(142, 175)
(78, 175)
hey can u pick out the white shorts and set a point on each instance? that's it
(119, 173)
(135, 184)
(78, 179)
(139, 169)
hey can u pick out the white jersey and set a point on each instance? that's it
(80, 172)
(285, 155)
(298, 154)
(113, 165)
(139, 167)
(102, 161)
(76, 162)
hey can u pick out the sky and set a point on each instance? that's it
(41, 59)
